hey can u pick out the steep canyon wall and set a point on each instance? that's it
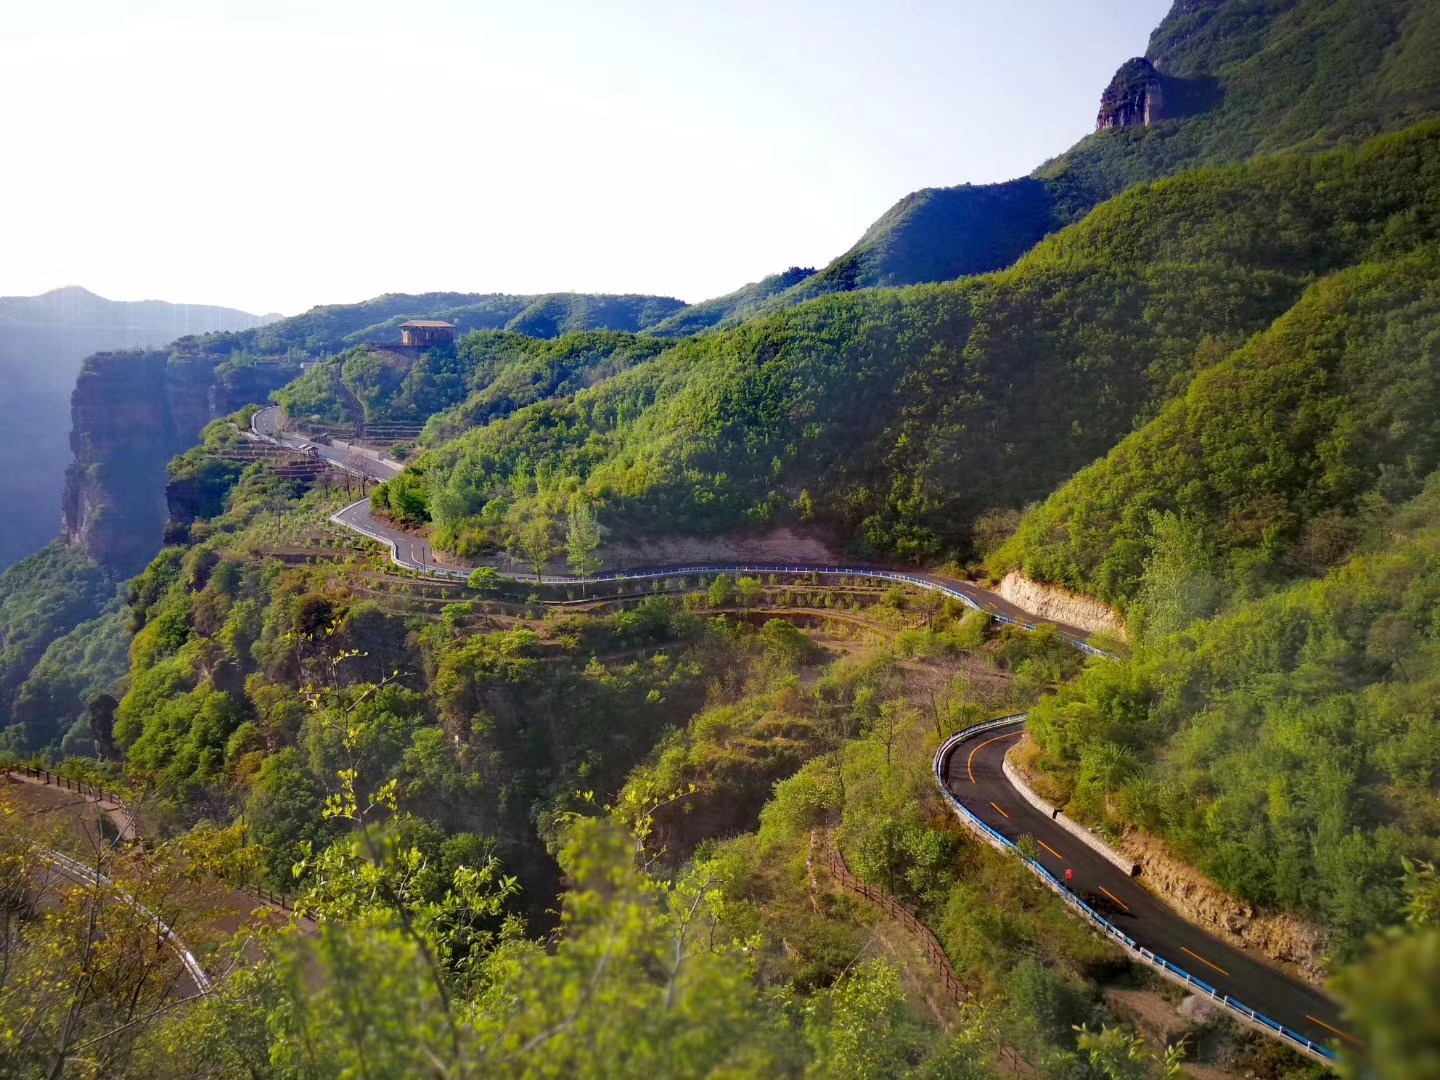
(131, 412)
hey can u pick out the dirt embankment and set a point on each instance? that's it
(1294, 944)
(1053, 603)
(1297, 945)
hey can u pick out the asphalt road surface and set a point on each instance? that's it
(410, 548)
(973, 774)
(266, 423)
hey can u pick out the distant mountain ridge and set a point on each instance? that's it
(331, 327)
(77, 307)
(43, 340)
(131, 412)
(1221, 81)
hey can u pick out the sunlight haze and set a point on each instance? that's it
(274, 156)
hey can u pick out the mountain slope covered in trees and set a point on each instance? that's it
(289, 714)
(1289, 746)
(1237, 79)
(42, 599)
(1280, 455)
(732, 307)
(895, 419)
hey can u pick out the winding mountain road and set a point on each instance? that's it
(973, 771)
(63, 866)
(266, 424)
(974, 775)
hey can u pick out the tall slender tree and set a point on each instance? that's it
(535, 543)
(582, 541)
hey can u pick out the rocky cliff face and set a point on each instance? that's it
(121, 435)
(43, 343)
(1061, 605)
(1134, 98)
(1295, 944)
(131, 412)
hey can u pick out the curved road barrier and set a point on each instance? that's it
(1084, 878)
(84, 875)
(1104, 895)
(357, 518)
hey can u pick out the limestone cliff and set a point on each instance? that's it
(121, 434)
(1053, 603)
(131, 412)
(1134, 98)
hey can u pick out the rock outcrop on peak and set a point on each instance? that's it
(1134, 98)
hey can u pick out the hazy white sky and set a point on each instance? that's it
(272, 156)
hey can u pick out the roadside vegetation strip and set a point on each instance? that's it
(1125, 865)
(1238, 1009)
(1028, 622)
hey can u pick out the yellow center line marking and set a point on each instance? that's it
(1337, 1031)
(1002, 812)
(1117, 900)
(1050, 849)
(970, 762)
(1207, 963)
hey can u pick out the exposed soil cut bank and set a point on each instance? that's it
(1297, 946)
(1055, 604)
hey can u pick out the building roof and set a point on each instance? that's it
(428, 324)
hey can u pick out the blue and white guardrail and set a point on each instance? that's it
(1136, 951)
(736, 568)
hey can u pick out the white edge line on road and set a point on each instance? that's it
(90, 876)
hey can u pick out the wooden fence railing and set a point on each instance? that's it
(100, 795)
(930, 944)
(90, 791)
